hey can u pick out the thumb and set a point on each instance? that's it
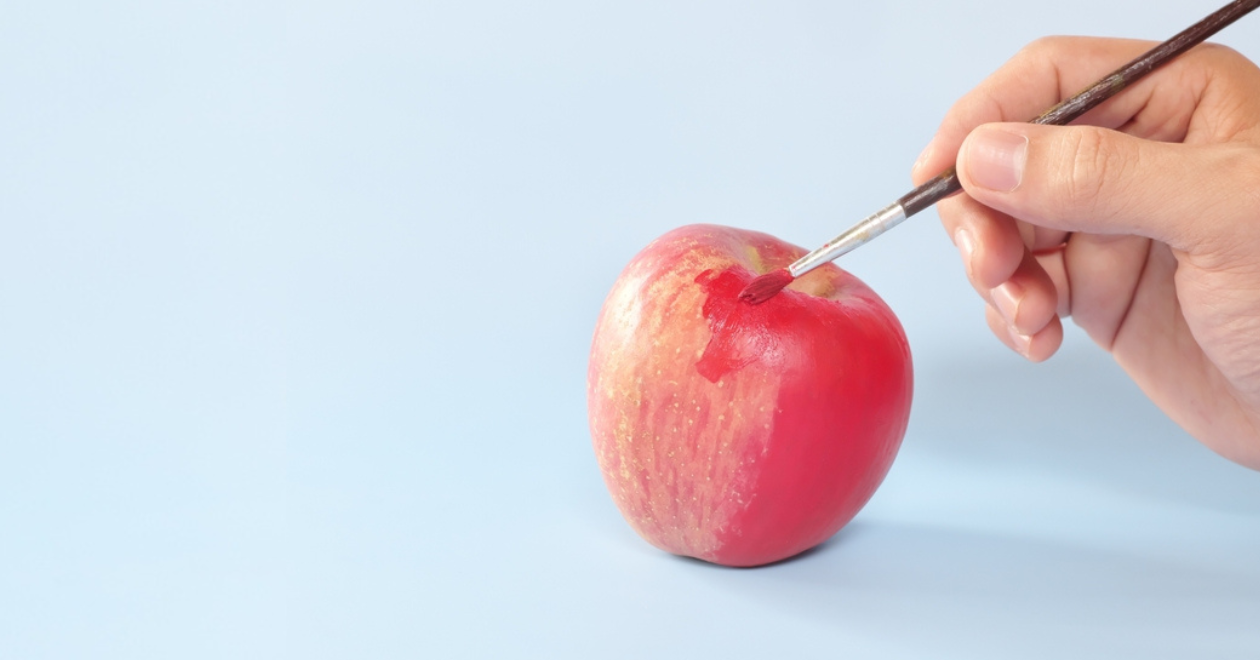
(1096, 180)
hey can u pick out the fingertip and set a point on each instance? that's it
(1029, 300)
(1046, 342)
(997, 325)
(1034, 347)
(931, 161)
(917, 171)
(998, 249)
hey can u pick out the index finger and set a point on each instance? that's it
(1046, 72)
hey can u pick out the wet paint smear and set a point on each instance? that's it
(742, 333)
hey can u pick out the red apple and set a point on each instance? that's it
(736, 433)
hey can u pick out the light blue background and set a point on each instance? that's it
(295, 302)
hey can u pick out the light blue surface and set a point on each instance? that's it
(295, 300)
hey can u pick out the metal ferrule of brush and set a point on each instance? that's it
(858, 235)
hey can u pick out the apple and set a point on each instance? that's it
(735, 433)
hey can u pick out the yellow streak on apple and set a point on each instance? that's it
(640, 312)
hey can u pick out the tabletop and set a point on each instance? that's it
(296, 300)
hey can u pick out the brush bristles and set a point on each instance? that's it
(765, 287)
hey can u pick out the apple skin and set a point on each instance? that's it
(735, 433)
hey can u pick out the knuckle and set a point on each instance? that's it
(1045, 46)
(1040, 54)
(1248, 169)
(1093, 170)
(1233, 201)
(1050, 52)
(1214, 52)
(1247, 163)
(1246, 166)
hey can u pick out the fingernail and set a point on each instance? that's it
(966, 247)
(1023, 342)
(1006, 298)
(923, 158)
(995, 158)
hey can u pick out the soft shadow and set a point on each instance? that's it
(841, 537)
(925, 585)
(1076, 414)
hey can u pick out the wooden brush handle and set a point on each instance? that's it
(946, 183)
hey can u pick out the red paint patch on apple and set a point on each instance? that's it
(743, 434)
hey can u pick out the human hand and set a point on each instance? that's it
(1141, 222)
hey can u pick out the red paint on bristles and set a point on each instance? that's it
(765, 287)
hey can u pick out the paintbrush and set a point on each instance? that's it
(946, 183)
